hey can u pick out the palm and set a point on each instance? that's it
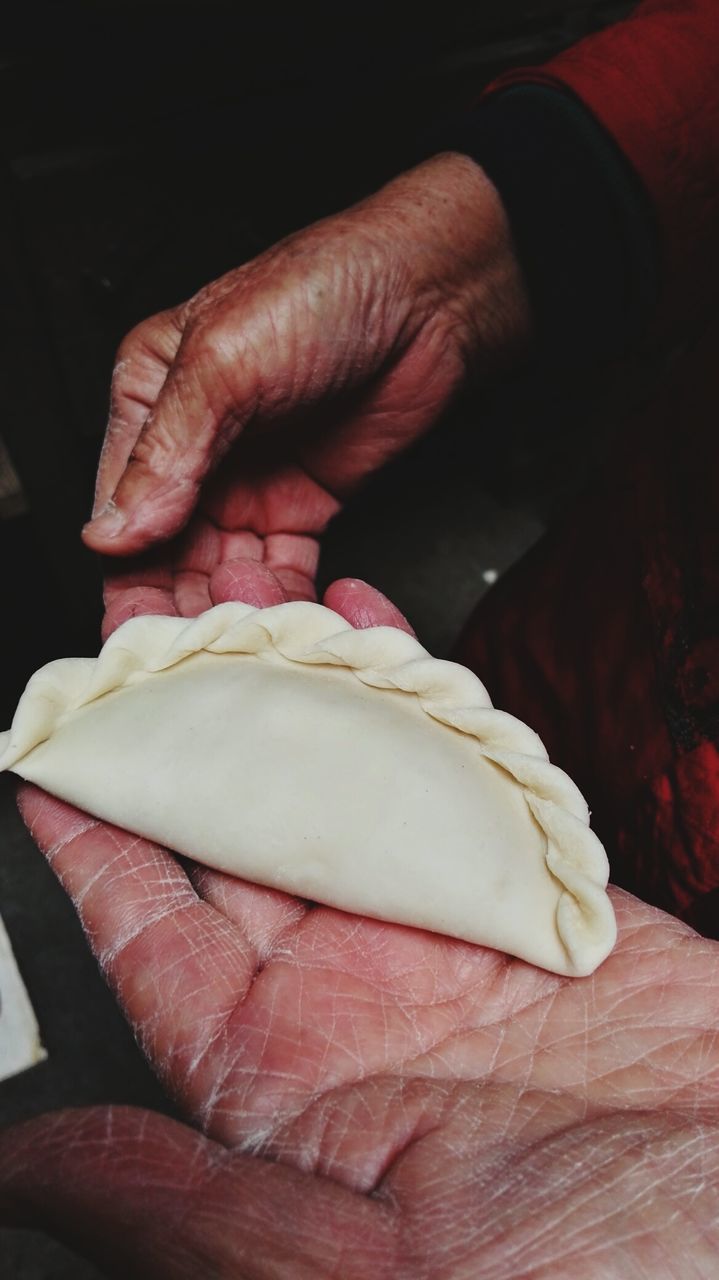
(544, 1126)
(356, 1081)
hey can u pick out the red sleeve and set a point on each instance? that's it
(653, 83)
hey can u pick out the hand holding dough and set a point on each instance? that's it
(350, 767)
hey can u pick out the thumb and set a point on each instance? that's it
(206, 399)
(146, 1196)
(364, 606)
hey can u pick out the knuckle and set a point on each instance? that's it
(131, 343)
(152, 340)
(213, 295)
(215, 346)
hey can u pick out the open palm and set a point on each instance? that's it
(372, 1100)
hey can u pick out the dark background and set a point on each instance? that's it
(145, 149)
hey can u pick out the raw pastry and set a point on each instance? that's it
(346, 766)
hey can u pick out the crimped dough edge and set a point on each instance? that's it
(384, 658)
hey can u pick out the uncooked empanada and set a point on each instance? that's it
(349, 767)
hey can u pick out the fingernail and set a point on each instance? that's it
(109, 522)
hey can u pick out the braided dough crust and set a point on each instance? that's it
(349, 767)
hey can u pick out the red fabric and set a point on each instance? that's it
(653, 82)
(606, 640)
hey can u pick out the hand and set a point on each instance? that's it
(305, 370)
(375, 1102)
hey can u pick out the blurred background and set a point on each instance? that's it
(146, 148)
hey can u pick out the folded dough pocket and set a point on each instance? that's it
(350, 767)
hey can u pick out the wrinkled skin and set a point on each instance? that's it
(304, 371)
(369, 1102)
(373, 1101)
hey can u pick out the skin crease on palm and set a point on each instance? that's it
(369, 1102)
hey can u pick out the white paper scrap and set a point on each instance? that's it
(20, 1045)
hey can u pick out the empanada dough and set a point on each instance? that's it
(349, 767)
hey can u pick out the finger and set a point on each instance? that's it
(199, 547)
(143, 360)
(143, 1195)
(206, 399)
(178, 967)
(364, 606)
(293, 558)
(137, 600)
(246, 580)
(192, 594)
(241, 545)
(296, 586)
(119, 580)
(252, 493)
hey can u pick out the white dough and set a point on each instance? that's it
(345, 766)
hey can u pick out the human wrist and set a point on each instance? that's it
(458, 246)
(580, 220)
